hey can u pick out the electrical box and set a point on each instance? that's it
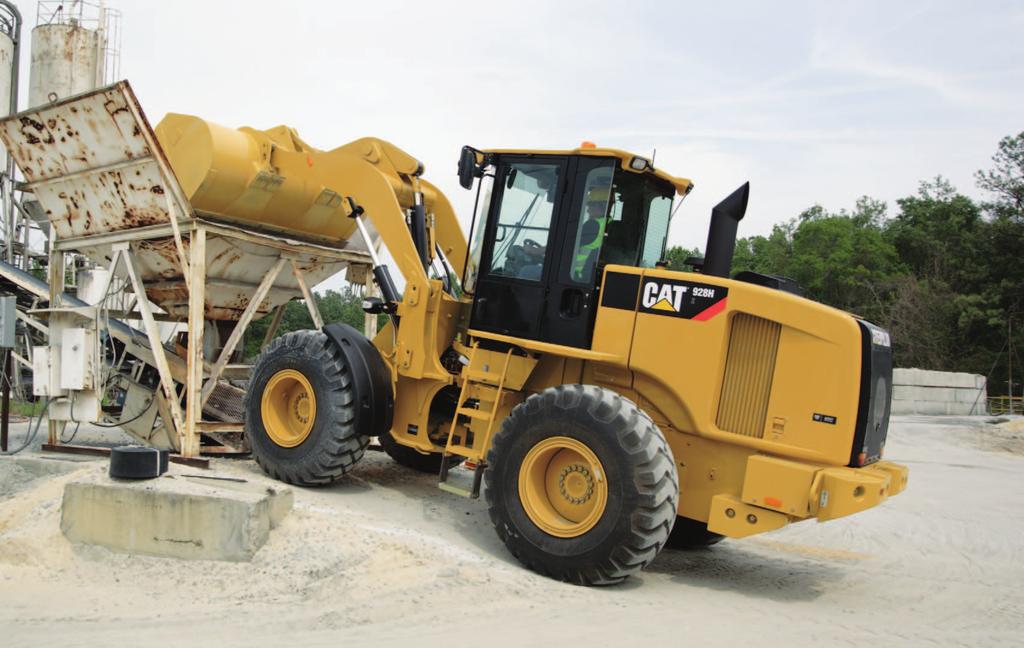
(8, 318)
(139, 412)
(79, 359)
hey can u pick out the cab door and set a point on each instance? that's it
(520, 250)
(573, 289)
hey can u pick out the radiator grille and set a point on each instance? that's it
(749, 368)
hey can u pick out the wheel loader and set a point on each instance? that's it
(604, 404)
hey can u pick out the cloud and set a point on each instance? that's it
(814, 102)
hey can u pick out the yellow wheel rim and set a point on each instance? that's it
(288, 408)
(562, 487)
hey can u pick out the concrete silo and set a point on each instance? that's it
(10, 27)
(71, 45)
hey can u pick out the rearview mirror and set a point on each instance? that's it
(467, 167)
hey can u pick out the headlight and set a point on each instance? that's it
(879, 337)
(639, 164)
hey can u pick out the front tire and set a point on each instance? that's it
(300, 411)
(581, 485)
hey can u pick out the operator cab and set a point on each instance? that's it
(547, 225)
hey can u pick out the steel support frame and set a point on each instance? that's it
(200, 377)
(55, 279)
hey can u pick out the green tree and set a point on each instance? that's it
(937, 233)
(996, 305)
(344, 306)
(1006, 181)
(841, 258)
(677, 256)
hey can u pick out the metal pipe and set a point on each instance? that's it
(725, 218)
(16, 37)
(13, 108)
(5, 401)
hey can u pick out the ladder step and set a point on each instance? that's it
(455, 490)
(475, 480)
(473, 413)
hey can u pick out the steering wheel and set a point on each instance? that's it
(532, 248)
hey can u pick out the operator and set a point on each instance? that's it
(592, 230)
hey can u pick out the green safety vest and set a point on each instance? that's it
(584, 252)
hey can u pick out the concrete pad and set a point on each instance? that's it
(178, 515)
(19, 472)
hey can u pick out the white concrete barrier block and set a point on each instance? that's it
(926, 378)
(970, 396)
(175, 516)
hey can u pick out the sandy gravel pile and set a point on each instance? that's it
(385, 558)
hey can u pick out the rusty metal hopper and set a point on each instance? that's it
(99, 172)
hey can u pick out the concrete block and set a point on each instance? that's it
(918, 391)
(970, 396)
(926, 378)
(174, 516)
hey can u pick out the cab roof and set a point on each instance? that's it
(682, 185)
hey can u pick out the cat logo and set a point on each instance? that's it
(663, 297)
(685, 299)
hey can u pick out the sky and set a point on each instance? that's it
(812, 102)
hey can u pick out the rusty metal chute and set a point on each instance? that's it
(98, 170)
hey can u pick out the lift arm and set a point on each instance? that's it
(383, 182)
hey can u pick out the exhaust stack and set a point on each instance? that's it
(725, 217)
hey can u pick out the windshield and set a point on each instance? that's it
(524, 220)
(480, 210)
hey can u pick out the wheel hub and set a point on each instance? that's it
(288, 408)
(575, 484)
(562, 487)
(302, 407)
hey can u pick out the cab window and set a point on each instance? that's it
(523, 223)
(659, 213)
(638, 220)
(592, 222)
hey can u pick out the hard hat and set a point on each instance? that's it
(598, 195)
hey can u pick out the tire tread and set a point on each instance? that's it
(654, 469)
(336, 452)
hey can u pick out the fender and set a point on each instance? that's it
(371, 379)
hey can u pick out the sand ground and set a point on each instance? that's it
(384, 558)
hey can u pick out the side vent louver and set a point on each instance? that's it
(749, 368)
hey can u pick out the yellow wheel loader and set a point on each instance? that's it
(598, 398)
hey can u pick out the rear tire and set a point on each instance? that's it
(300, 411)
(581, 485)
(691, 534)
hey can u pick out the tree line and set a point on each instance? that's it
(943, 273)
